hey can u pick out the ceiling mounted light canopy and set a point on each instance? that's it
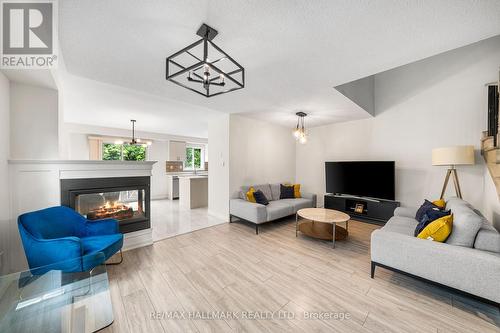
(136, 141)
(205, 68)
(299, 132)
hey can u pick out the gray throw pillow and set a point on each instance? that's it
(466, 224)
(243, 192)
(275, 191)
(265, 188)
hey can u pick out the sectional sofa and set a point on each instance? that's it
(277, 208)
(469, 260)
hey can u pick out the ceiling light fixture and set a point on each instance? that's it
(136, 141)
(299, 132)
(208, 70)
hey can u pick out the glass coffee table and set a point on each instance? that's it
(322, 223)
(48, 300)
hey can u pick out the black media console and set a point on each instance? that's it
(368, 210)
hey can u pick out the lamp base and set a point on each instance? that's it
(453, 173)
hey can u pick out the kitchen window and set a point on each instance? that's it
(195, 158)
(123, 152)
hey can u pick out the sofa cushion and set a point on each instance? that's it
(250, 195)
(243, 192)
(430, 216)
(401, 225)
(438, 230)
(406, 211)
(455, 202)
(278, 209)
(275, 191)
(466, 224)
(298, 203)
(487, 238)
(265, 188)
(260, 198)
(296, 191)
(424, 208)
(286, 192)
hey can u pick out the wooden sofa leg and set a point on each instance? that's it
(256, 229)
(373, 269)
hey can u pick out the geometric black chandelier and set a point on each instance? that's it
(205, 68)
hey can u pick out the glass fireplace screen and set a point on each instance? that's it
(121, 205)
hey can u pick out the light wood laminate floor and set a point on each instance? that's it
(228, 272)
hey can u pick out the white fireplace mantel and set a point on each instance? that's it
(35, 184)
(70, 169)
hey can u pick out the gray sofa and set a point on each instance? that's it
(277, 208)
(469, 260)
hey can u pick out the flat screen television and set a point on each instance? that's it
(374, 179)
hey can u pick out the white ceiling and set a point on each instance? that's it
(100, 104)
(294, 52)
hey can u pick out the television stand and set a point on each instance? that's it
(348, 196)
(369, 210)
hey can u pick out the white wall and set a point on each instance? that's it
(259, 152)
(33, 122)
(439, 101)
(4, 171)
(158, 151)
(218, 181)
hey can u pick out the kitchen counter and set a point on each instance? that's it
(193, 176)
(193, 191)
(188, 173)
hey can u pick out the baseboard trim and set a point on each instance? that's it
(159, 197)
(224, 218)
(136, 239)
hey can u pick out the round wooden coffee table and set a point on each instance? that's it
(322, 223)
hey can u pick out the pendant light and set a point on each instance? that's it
(300, 130)
(136, 141)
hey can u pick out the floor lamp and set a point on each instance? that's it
(451, 157)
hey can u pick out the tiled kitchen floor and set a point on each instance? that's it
(168, 219)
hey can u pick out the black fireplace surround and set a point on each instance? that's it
(126, 199)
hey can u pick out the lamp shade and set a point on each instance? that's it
(458, 155)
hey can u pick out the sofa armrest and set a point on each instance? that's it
(311, 196)
(406, 211)
(467, 269)
(249, 211)
(101, 227)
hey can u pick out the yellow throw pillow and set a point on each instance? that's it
(296, 191)
(440, 203)
(438, 230)
(250, 196)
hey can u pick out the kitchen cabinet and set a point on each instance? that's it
(177, 151)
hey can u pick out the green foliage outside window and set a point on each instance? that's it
(197, 158)
(193, 155)
(111, 152)
(134, 153)
(189, 158)
(118, 152)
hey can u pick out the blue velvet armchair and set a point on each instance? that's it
(60, 238)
